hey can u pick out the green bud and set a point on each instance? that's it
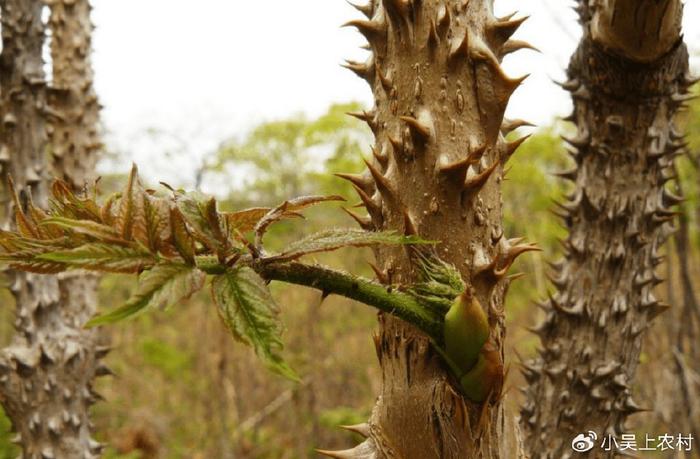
(466, 331)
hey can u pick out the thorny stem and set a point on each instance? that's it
(330, 281)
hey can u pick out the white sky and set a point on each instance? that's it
(202, 71)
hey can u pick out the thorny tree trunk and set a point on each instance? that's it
(686, 355)
(439, 154)
(672, 384)
(627, 79)
(74, 128)
(46, 372)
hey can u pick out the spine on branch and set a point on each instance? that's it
(47, 371)
(440, 94)
(627, 79)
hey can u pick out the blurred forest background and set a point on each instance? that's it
(184, 389)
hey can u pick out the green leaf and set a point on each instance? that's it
(199, 212)
(333, 239)
(439, 278)
(441, 283)
(160, 287)
(13, 242)
(103, 257)
(86, 227)
(250, 313)
(287, 209)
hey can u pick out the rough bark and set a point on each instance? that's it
(46, 372)
(74, 127)
(439, 153)
(625, 92)
(672, 384)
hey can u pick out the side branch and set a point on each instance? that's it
(330, 281)
(384, 298)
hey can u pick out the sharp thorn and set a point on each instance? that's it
(475, 183)
(417, 128)
(364, 222)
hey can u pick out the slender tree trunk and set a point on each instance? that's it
(627, 79)
(440, 94)
(46, 373)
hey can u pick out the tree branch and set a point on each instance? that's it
(384, 298)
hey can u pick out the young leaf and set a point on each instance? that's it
(103, 257)
(182, 239)
(13, 243)
(38, 267)
(288, 208)
(38, 216)
(245, 220)
(160, 287)
(25, 225)
(439, 278)
(131, 217)
(200, 214)
(106, 211)
(250, 313)
(157, 214)
(333, 239)
(90, 228)
(67, 204)
(22, 254)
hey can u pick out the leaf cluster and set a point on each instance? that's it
(173, 241)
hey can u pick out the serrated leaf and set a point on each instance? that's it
(288, 208)
(25, 226)
(251, 315)
(106, 211)
(162, 286)
(22, 254)
(245, 220)
(333, 239)
(38, 267)
(13, 243)
(131, 217)
(103, 257)
(199, 212)
(67, 204)
(182, 239)
(157, 223)
(37, 216)
(86, 227)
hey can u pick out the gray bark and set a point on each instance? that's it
(46, 372)
(627, 79)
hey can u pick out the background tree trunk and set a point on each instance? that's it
(627, 79)
(672, 385)
(440, 95)
(74, 129)
(46, 372)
